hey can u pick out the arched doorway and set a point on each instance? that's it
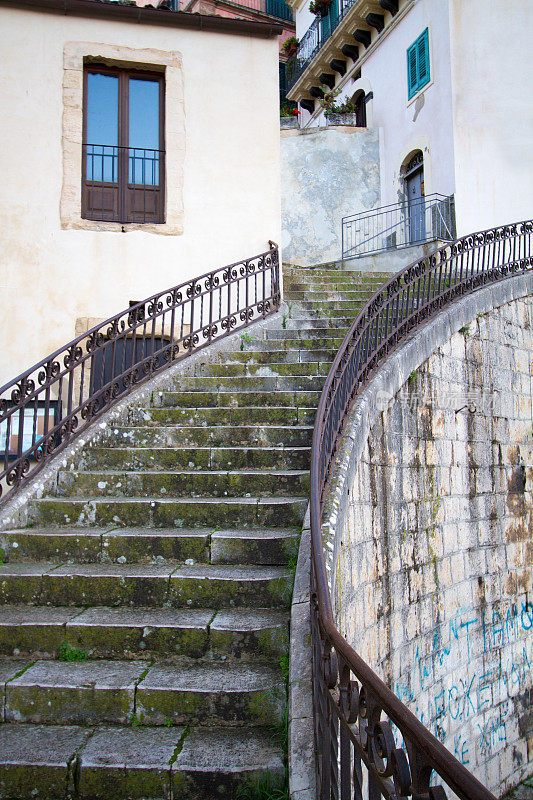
(359, 103)
(413, 180)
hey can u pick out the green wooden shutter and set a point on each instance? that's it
(418, 64)
(411, 70)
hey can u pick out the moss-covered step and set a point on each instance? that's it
(238, 398)
(248, 383)
(141, 458)
(185, 764)
(268, 546)
(118, 632)
(196, 586)
(89, 545)
(188, 483)
(242, 415)
(193, 512)
(211, 694)
(277, 356)
(91, 692)
(286, 369)
(212, 435)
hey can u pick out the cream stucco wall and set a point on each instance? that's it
(50, 276)
(492, 74)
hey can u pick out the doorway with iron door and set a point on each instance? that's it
(414, 191)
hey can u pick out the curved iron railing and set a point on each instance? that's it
(47, 405)
(353, 708)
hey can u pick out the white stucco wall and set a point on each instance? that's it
(424, 122)
(492, 72)
(231, 178)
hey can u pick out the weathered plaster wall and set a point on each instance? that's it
(326, 175)
(50, 276)
(430, 531)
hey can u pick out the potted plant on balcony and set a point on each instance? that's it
(319, 7)
(290, 46)
(341, 114)
(289, 117)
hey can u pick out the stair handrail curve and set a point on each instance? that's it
(349, 698)
(45, 407)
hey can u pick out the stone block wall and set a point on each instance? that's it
(433, 555)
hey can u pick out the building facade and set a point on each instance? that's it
(125, 169)
(436, 80)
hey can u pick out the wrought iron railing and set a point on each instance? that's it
(354, 710)
(392, 227)
(57, 399)
(274, 8)
(123, 184)
(313, 39)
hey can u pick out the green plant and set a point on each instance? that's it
(340, 108)
(286, 111)
(68, 653)
(263, 790)
(328, 98)
(284, 321)
(246, 338)
(290, 44)
(319, 7)
(2, 555)
(465, 331)
(412, 377)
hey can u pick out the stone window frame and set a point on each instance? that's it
(75, 56)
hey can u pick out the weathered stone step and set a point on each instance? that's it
(243, 415)
(295, 344)
(289, 370)
(261, 355)
(335, 274)
(277, 399)
(192, 512)
(133, 458)
(56, 762)
(311, 322)
(211, 483)
(212, 435)
(104, 632)
(270, 546)
(322, 334)
(133, 692)
(197, 586)
(248, 383)
(323, 295)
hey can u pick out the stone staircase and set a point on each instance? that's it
(144, 610)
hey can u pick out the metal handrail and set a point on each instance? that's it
(45, 407)
(349, 698)
(422, 219)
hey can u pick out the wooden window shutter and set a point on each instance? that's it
(412, 70)
(418, 64)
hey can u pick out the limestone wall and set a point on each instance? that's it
(325, 175)
(431, 531)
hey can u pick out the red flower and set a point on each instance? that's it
(296, 112)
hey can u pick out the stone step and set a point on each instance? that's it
(236, 399)
(139, 693)
(270, 546)
(243, 415)
(303, 319)
(55, 762)
(212, 435)
(293, 343)
(261, 355)
(194, 512)
(321, 295)
(196, 586)
(134, 458)
(336, 274)
(322, 334)
(104, 632)
(289, 370)
(211, 483)
(248, 383)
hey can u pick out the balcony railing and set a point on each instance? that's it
(313, 39)
(275, 8)
(123, 184)
(399, 225)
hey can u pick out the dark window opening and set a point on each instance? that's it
(123, 155)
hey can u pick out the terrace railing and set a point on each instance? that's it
(399, 225)
(45, 407)
(313, 39)
(357, 752)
